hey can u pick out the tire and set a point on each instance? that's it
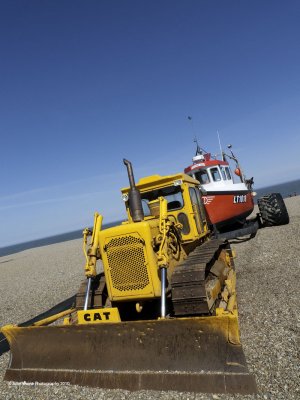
(273, 210)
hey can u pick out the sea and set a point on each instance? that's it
(288, 189)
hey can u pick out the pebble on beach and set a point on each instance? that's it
(267, 267)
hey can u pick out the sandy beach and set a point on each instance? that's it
(267, 267)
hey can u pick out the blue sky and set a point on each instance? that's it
(85, 83)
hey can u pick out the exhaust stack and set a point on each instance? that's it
(135, 202)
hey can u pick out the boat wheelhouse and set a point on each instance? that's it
(227, 202)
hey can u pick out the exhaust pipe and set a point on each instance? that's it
(135, 202)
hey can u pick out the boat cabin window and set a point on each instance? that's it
(224, 176)
(172, 194)
(215, 174)
(202, 177)
(228, 174)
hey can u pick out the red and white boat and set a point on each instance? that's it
(227, 203)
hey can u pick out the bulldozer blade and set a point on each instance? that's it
(200, 354)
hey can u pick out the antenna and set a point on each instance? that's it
(220, 145)
(198, 149)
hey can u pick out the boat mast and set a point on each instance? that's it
(221, 150)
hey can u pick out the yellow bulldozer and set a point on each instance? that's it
(159, 310)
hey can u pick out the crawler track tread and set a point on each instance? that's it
(97, 295)
(188, 280)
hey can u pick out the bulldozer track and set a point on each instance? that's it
(189, 278)
(98, 294)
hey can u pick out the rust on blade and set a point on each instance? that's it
(188, 354)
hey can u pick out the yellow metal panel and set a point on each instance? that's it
(100, 315)
(129, 261)
(156, 181)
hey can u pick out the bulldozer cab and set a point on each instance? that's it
(184, 203)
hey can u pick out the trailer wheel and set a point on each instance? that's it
(273, 210)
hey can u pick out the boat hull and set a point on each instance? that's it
(227, 208)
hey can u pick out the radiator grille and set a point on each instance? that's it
(127, 263)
